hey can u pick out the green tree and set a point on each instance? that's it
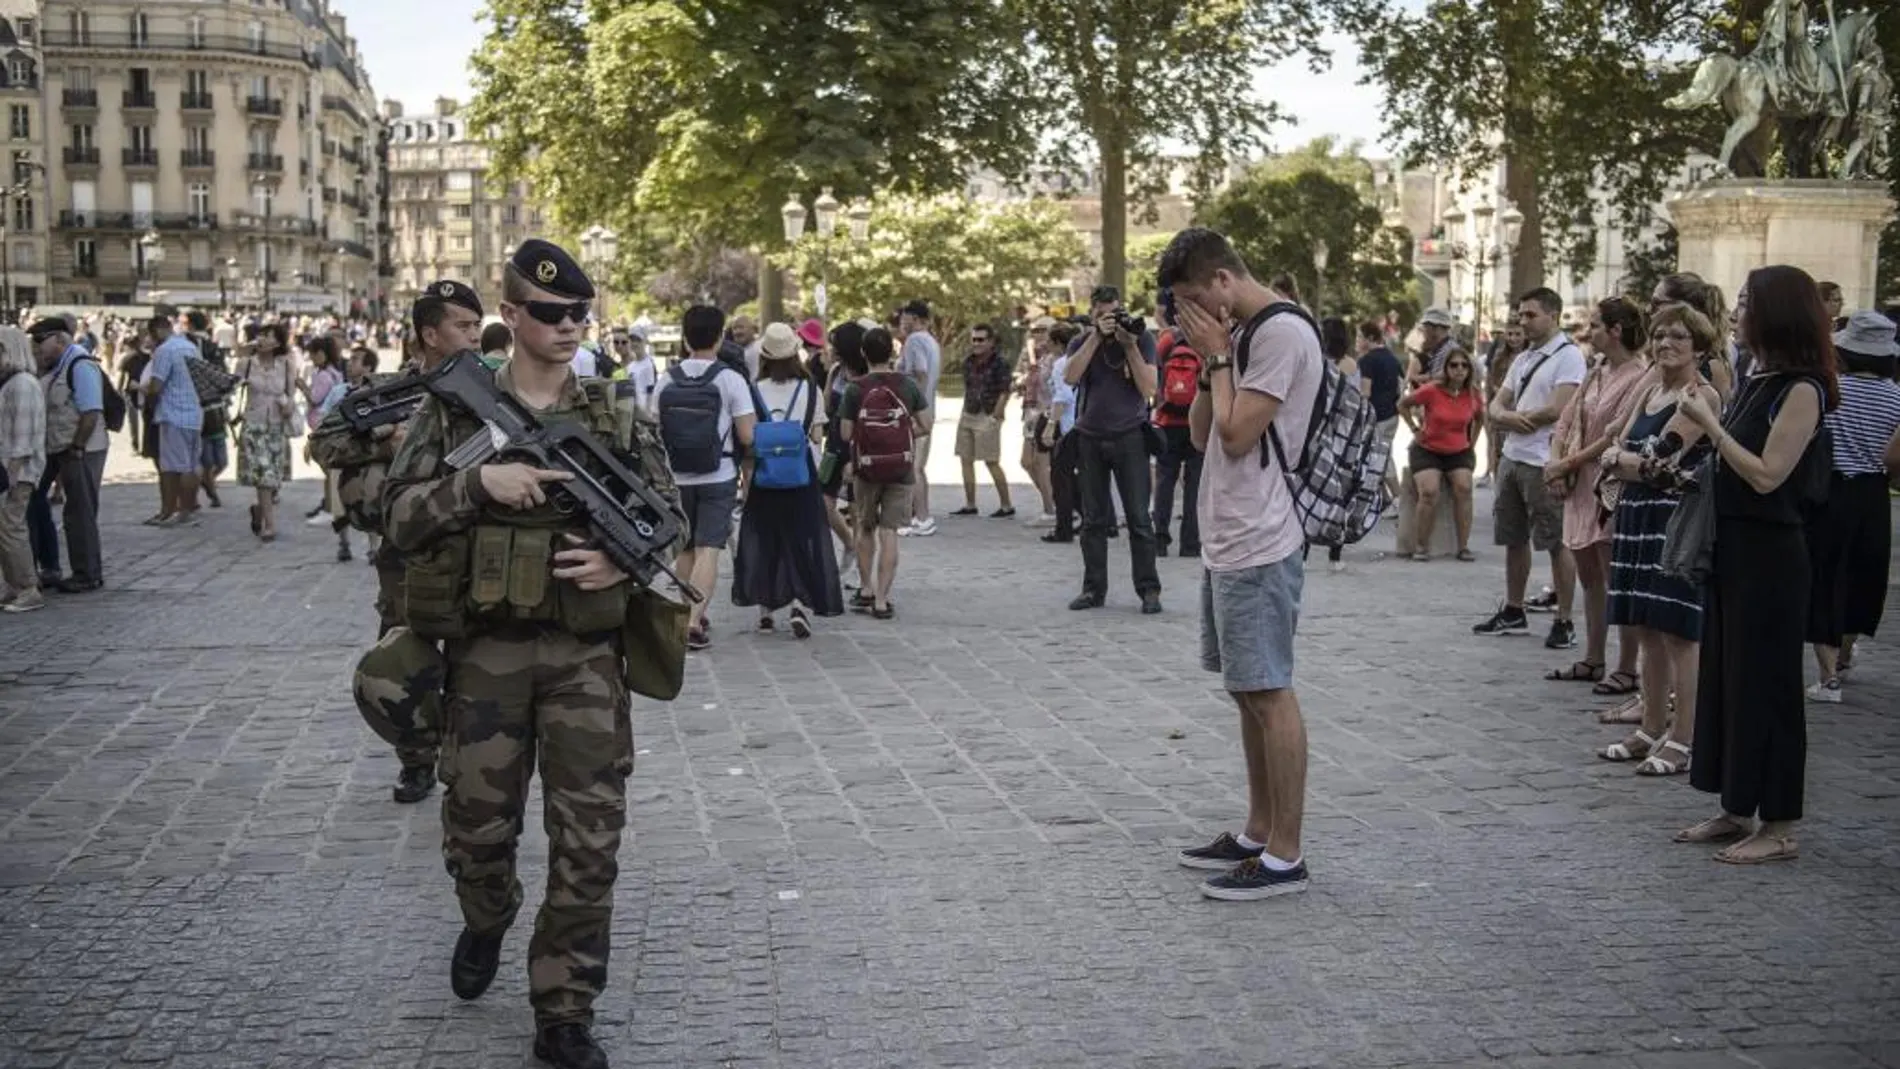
(708, 114)
(1568, 94)
(972, 262)
(1282, 210)
(1144, 261)
(1127, 76)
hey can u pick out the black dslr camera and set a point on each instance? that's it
(1134, 325)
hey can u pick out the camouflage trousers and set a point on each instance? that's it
(509, 698)
(389, 615)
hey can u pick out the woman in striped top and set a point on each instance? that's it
(1851, 538)
(1663, 613)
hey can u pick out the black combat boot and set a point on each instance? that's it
(414, 784)
(569, 1046)
(476, 959)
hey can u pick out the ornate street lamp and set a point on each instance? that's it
(793, 213)
(600, 247)
(826, 210)
(858, 222)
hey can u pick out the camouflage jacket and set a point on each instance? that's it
(360, 461)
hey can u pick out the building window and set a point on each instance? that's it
(19, 71)
(79, 77)
(199, 253)
(27, 296)
(459, 242)
(262, 199)
(198, 196)
(461, 181)
(198, 140)
(141, 204)
(261, 141)
(260, 87)
(195, 31)
(82, 136)
(23, 213)
(22, 168)
(20, 122)
(141, 81)
(140, 138)
(461, 211)
(510, 214)
(26, 29)
(198, 83)
(80, 24)
(139, 29)
(23, 258)
(86, 255)
(257, 37)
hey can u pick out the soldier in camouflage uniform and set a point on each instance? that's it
(531, 621)
(447, 319)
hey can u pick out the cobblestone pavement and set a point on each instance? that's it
(944, 841)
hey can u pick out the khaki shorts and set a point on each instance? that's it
(875, 505)
(980, 437)
(1524, 511)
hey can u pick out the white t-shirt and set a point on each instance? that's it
(644, 374)
(1558, 362)
(732, 387)
(1247, 516)
(584, 364)
(224, 336)
(921, 353)
(778, 398)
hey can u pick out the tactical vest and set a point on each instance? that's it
(499, 571)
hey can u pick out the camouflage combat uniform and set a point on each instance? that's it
(534, 664)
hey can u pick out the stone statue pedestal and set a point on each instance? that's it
(1829, 228)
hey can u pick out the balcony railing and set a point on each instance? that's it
(139, 157)
(271, 106)
(282, 224)
(79, 98)
(351, 156)
(139, 98)
(190, 101)
(201, 274)
(197, 157)
(337, 103)
(90, 270)
(75, 156)
(355, 248)
(266, 161)
(95, 38)
(70, 220)
(350, 200)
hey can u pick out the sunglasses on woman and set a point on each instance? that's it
(554, 312)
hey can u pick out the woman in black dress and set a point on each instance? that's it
(1750, 712)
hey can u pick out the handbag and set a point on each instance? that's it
(653, 645)
(1689, 539)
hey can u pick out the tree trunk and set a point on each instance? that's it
(1521, 52)
(1527, 263)
(1114, 210)
(771, 293)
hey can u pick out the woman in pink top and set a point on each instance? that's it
(1589, 426)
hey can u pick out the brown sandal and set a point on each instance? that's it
(1630, 712)
(1785, 849)
(1580, 672)
(1716, 829)
(1619, 684)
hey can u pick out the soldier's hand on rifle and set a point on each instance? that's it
(519, 486)
(588, 568)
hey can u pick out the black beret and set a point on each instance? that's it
(917, 308)
(46, 328)
(548, 266)
(450, 291)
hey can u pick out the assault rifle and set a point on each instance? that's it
(385, 403)
(631, 522)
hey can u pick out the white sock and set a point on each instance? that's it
(1274, 864)
(1249, 843)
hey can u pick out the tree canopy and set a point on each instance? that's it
(1282, 210)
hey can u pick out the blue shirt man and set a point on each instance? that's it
(178, 404)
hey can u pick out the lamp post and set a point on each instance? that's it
(600, 247)
(22, 185)
(1320, 255)
(825, 209)
(1483, 255)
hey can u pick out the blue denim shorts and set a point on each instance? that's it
(1248, 618)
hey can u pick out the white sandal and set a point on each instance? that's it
(1619, 751)
(1661, 766)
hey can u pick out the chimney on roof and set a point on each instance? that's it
(445, 106)
(392, 109)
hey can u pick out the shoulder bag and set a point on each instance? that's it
(1689, 539)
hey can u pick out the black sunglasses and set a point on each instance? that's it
(553, 312)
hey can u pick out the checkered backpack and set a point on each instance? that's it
(1338, 487)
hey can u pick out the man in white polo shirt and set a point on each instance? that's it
(1539, 384)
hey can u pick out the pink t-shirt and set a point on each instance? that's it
(1246, 510)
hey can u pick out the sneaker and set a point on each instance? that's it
(28, 600)
(1828, 692)
(318, 518)
(967, 510)
(1563, 636)
(1002, 514)
(1339, 567)
(1043, 519)
(697, 637)
(343, 554)
(1545, 602)
(924, 528)
(1221, 855)
(1506, 621)
(801, 627)
(1250, 880)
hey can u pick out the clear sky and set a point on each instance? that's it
(417, 50)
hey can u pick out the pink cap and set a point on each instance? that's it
(812, 332)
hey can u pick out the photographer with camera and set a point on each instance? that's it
(1112, 366)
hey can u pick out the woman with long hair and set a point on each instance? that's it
(1592, 423)
(1655, 612)
(269, 382)
(1750, 711)
(844, 365)
(784, 556)
(23, 423)
(1850, 540)
(1443, 450)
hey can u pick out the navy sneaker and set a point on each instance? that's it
(1220, 855)
(1250, 880)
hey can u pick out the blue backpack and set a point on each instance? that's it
(781, 447)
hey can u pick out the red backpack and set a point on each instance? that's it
(1180, 382)
(883, 440)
